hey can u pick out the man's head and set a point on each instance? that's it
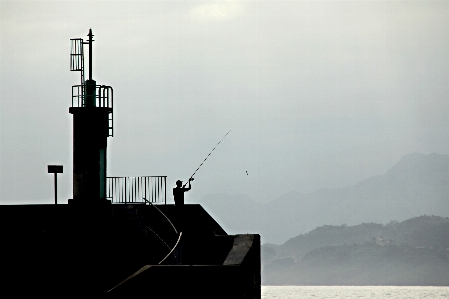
(178, 183)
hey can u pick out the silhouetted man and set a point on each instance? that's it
(178, 195)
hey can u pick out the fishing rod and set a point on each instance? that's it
(191, 177)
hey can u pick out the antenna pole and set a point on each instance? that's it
(90, 35)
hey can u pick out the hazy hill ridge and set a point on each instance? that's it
(412, 252)
(417, 184)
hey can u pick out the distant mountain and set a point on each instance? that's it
(412, 252)
(418, 184)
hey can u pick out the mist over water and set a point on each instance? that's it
(348, 292)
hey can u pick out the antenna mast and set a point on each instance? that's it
(90, 35)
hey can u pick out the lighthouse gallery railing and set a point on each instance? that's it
(137, 189)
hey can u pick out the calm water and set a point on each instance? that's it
(344, 292)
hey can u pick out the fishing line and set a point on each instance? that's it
(151, 204)
(191, 177)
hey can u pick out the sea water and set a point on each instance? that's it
(348, 292)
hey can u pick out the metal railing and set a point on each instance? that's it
(140, 189)
(103, 94)
(104, 97)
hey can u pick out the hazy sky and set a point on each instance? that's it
(316, 93)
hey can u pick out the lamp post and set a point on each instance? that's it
(55, 169)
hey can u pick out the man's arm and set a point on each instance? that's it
(190, 187)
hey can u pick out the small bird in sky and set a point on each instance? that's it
(246, 172)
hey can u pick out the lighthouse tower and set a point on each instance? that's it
(92, 110)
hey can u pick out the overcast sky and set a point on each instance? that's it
(316, 93)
